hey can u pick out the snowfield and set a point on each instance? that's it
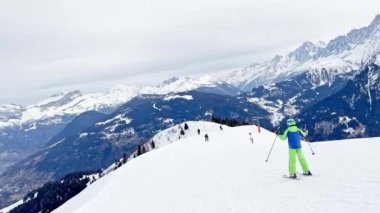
(229, 174)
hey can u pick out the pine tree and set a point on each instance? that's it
(139, 150)
(124, 158)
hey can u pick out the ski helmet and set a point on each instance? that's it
(290, 122)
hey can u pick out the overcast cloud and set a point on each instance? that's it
(48, 46)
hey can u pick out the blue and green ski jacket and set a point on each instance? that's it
(294, 135)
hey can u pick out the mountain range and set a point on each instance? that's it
(331, 88)
(26, 129)
(341, 55)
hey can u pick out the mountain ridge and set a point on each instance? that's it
(298, 81)
(342, 54)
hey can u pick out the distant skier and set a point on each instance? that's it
(250, 137)
(199, 131)
(206, 137)
(221, 128)
(294, 135)
(100, 173)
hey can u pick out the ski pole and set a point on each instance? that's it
(272, 147)
(308, 142)
(311, 149)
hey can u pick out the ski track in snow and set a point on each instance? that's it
(55, 144)
(229, 174)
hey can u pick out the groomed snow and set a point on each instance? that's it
(229, 174)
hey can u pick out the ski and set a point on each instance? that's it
(287, 176)
(304, 175)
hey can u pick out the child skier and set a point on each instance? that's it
(294, 134)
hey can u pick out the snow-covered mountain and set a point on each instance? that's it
(229, 174)
(64, 104)
(75, 103)
(291, 97)
(317, 71)
(93, 141)
(341, 55)
(302, 83)
(204, 83)
(25, 130)
(346, 107)
(351, 112)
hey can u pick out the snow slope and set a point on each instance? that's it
(9, 208)
(229, 174)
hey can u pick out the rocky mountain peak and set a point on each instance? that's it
(376, 21)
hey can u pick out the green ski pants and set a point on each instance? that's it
(292, 161)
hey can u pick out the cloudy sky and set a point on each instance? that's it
(47, 46)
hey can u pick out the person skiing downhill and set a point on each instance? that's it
(294, 135)
(206, 137)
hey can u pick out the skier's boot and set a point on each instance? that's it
(294, 176)
(308, 173)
